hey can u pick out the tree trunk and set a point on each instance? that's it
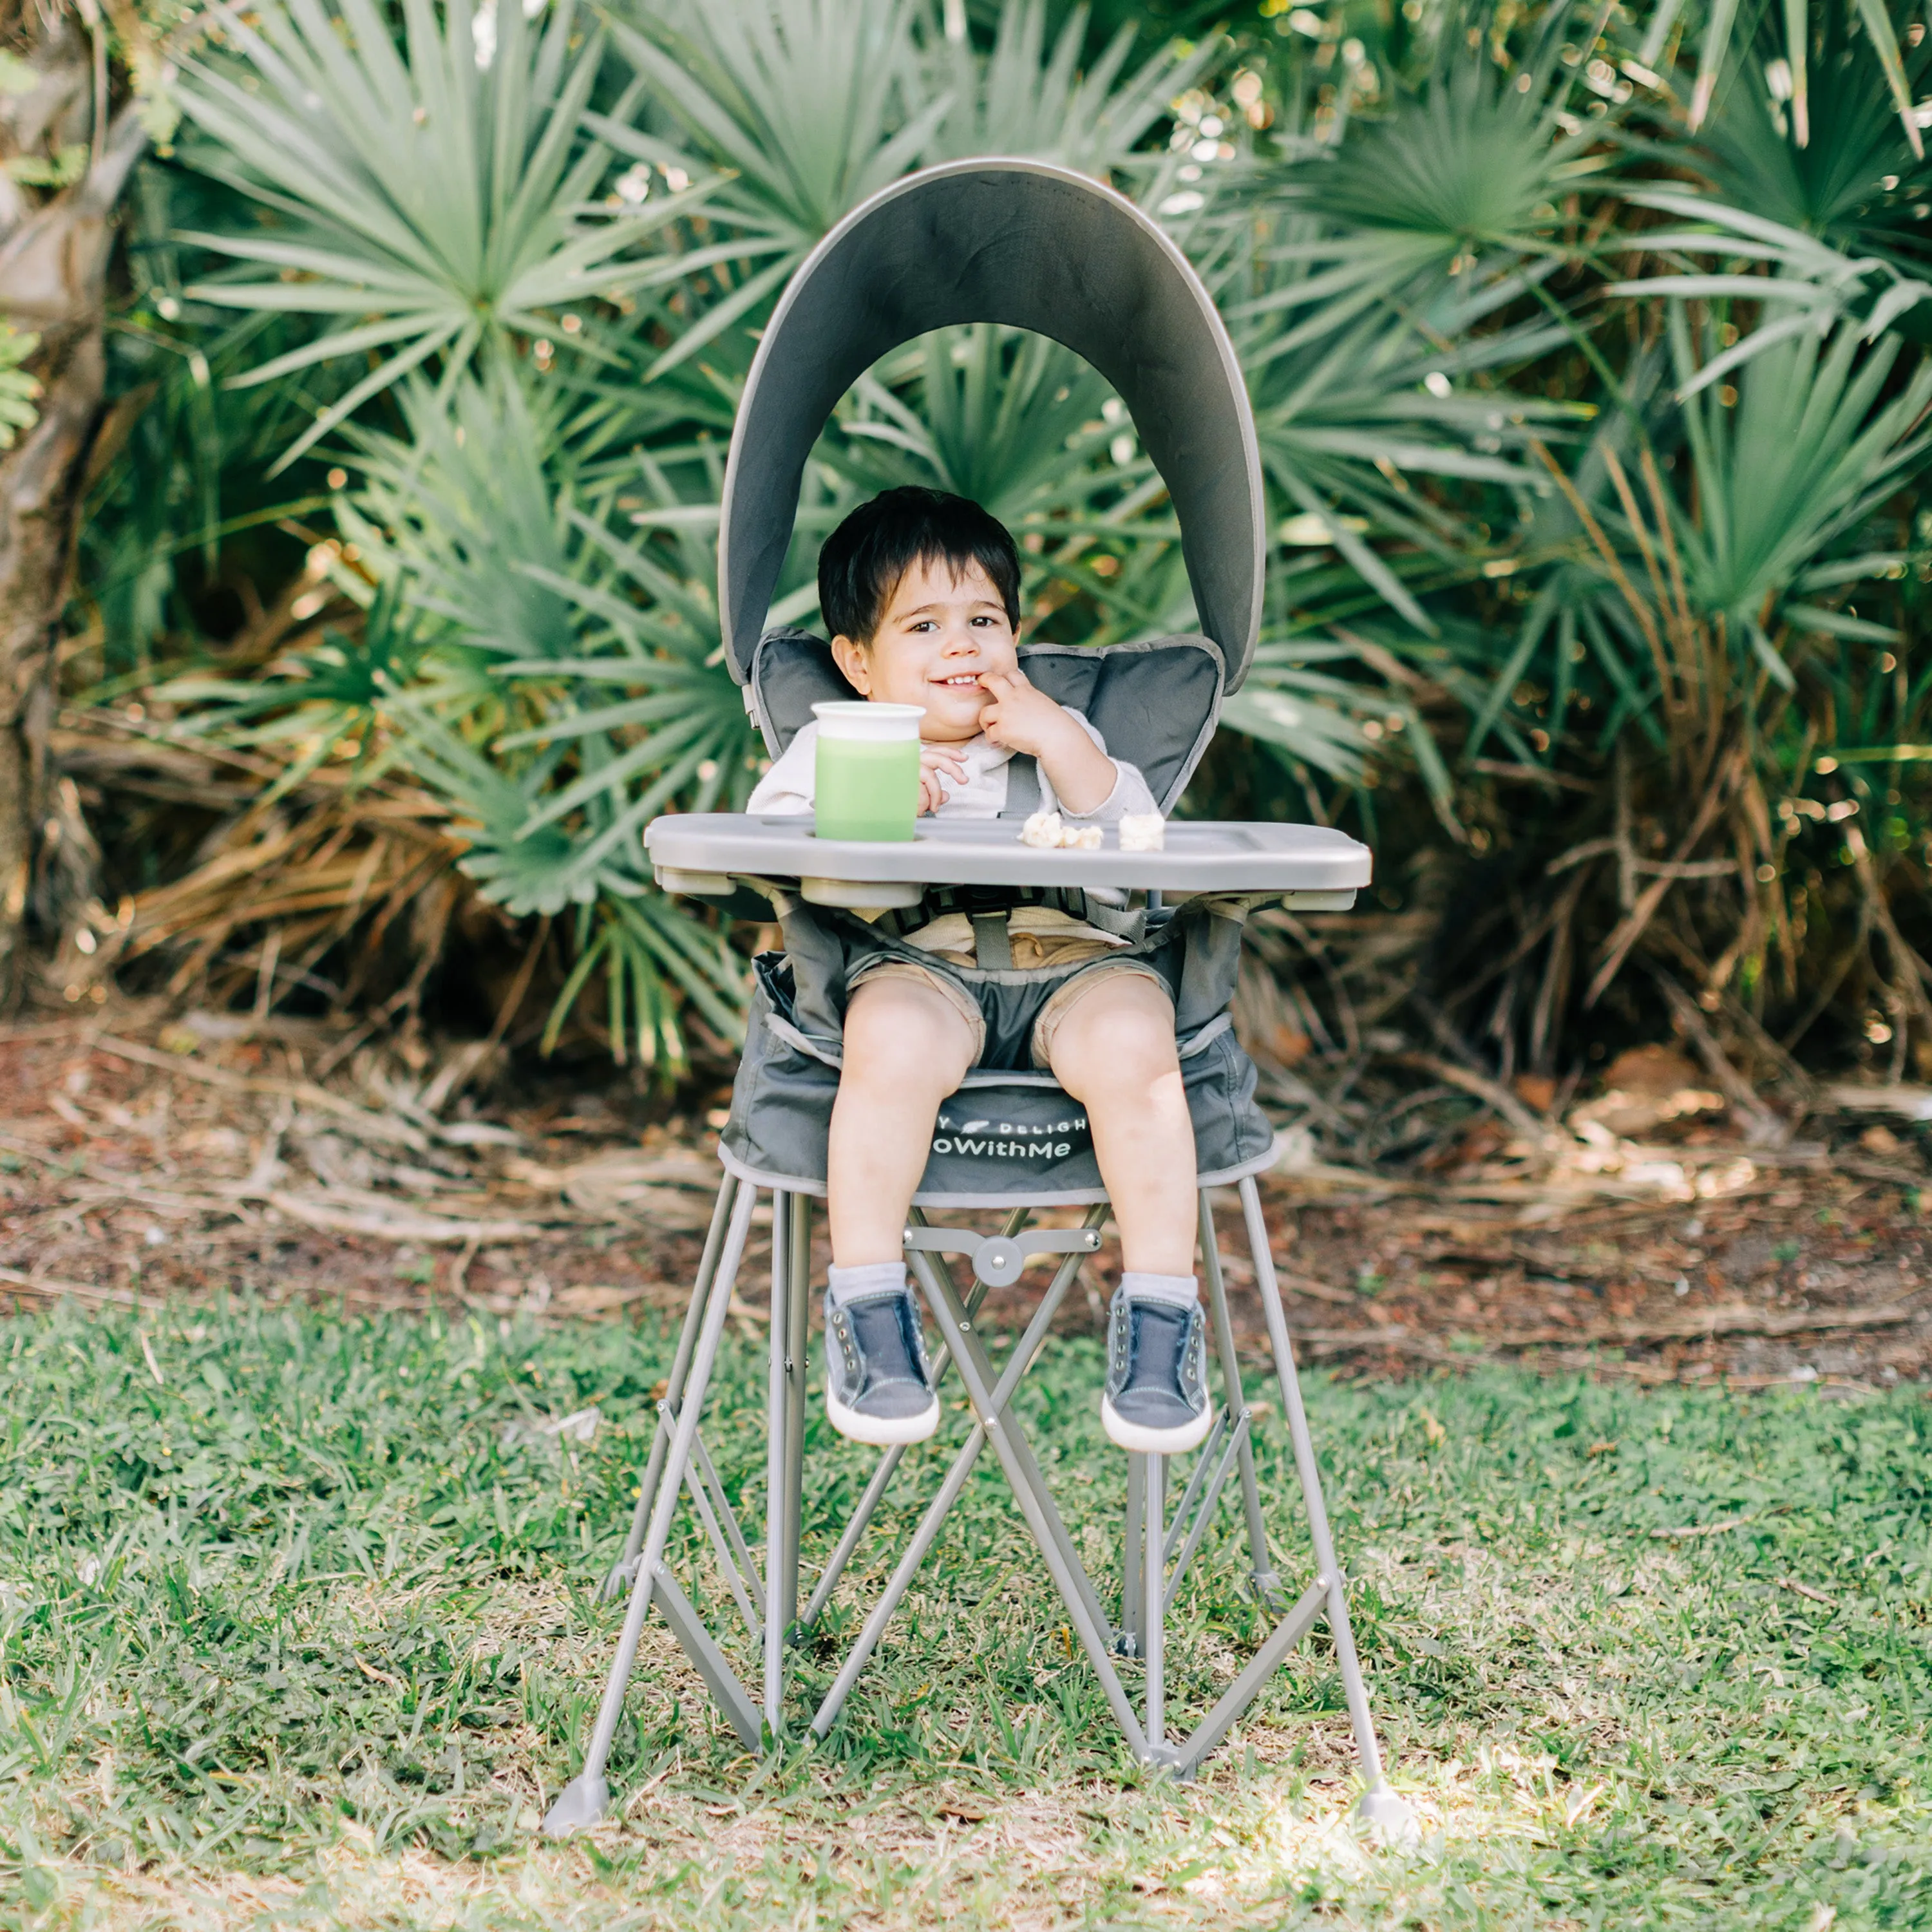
(53, 274)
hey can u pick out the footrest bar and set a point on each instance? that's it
(1000, 1260)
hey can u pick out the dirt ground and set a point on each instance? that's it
(1673, 1239)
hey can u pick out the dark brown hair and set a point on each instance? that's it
(867, 557)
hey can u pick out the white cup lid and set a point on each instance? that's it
(872, 724)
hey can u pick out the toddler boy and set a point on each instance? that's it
(920, 590)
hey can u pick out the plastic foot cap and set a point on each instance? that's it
(1390, 1820)
(579, 1804)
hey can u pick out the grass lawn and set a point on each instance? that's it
(296, 1629)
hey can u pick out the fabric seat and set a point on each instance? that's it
(1010, 1138)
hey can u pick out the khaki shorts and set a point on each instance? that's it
(1070, 991)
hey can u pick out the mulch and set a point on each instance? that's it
(143, 1160)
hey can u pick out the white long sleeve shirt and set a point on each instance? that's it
(788, 787)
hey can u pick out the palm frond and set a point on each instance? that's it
(430, 210)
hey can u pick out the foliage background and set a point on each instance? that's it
(1587, 346)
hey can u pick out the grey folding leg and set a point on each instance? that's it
(622, 1572)
(1164, 1532)
(1153, 1545)
(1018, 1362)
(791, 1274)
(1380, 1807)
(582, 1801)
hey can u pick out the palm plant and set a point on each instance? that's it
(1582, 480)
(529, 612)
(1018, 423)
(1071, 101)
(1718, 49)
(804, 108)
(434, 207)
(1856, 181)
(1699, 583)
(800, 104)
(1840, 219)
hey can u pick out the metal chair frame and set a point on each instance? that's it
(1158, 1543)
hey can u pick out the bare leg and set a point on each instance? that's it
(1114, 1051)
(907, 1048)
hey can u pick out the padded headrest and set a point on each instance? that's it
(1033, 247)
(1155, 704)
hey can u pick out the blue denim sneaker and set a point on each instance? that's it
(1156, 1399)
(878, 1384)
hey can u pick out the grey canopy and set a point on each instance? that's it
(1034, 247)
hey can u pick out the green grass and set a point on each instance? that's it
(294, 1629)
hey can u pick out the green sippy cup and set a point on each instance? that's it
(867, 777)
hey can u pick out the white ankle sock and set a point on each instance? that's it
(1181, 1289)
(845, 1285)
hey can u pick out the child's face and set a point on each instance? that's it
(940, 635)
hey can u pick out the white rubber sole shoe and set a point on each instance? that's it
(1138, 1440)
(883, 1432)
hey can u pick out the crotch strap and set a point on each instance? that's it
(992, 943)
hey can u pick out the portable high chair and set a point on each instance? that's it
(1039, 248)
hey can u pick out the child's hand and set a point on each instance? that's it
(1023, 719)
(933, 760)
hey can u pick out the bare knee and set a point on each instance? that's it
(1118, 1040)
(906, 1036)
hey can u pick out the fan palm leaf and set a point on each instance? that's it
(463, 505)
(1818, 437)
(1811, 286)
(425, 209)
(1855, 180)
(1022, 96)
(1724, 29)
(800, 105)
(1465, 174)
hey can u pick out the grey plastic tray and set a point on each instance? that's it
(703, 853)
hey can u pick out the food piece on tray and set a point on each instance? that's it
(1047, 832)
(1143, 831)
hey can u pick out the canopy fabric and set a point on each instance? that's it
(1034, 247)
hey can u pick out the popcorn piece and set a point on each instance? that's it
(1143, 831)
(1047, 832)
